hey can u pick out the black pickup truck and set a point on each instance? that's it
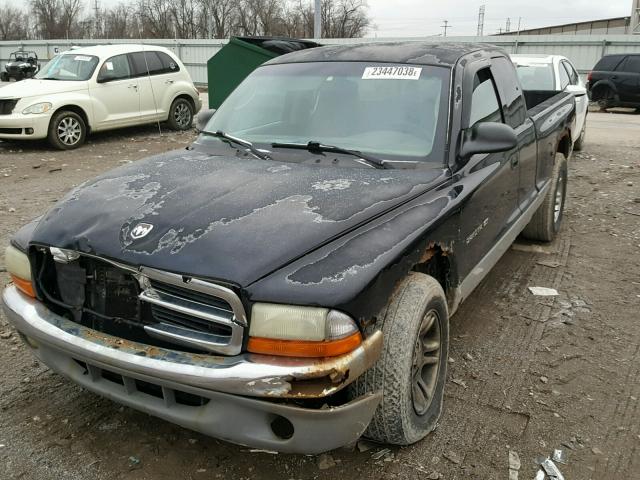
(286, 282)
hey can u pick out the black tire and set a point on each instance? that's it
(607, 98)
(4, 77)
(579, 145)
(67, 130)
(181, 114)
(399, 419)
(546, 222)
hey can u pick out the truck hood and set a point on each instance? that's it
(222, 218)
(33, 87)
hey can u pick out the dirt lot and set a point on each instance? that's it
(527, 374)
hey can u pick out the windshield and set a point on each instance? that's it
(69, 67)
(392, 112)
(536, 76)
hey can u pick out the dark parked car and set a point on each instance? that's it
(21, 65)
(615, 81)
(286, 282)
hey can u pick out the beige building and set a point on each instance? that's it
(607, 26)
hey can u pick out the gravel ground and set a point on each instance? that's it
(527, 374)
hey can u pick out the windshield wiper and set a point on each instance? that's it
(317, 147)
(47, 78)
(238, 141)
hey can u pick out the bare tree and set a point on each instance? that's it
(120, 22)
(345, 18)
(218, 18)
(156, 18)
(58, 18)
(13, 23)
(185, 13)
(184, 19)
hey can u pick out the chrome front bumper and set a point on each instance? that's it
(227, 383)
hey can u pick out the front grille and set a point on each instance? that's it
(136, 306)
(166, 315)
(7, 106)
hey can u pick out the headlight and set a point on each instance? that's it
(19, 269)
(43, 107)
(301, 331)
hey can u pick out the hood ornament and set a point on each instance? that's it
(141, 230)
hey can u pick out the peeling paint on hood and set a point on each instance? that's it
(222, 217)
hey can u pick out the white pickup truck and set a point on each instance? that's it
(555, 72)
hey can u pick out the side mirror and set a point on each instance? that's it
(577, 90)
(104, 79)
(488, 137)
(203, 118)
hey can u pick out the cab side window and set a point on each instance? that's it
(114, 68)
(564, 78)
(573, 75)
(485, 106)
(513, 104)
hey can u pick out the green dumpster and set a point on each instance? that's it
(241, 56)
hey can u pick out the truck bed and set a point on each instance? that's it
(539, 100)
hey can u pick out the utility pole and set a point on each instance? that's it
(446, 26)
(508, 26)
(481, 21)
(317, 19)
(500, 31)
(96, 9)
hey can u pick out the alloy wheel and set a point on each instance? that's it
(182, 115)
(426, 362)
(69, 131)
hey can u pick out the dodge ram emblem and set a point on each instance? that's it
(141, 230)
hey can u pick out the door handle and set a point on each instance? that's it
(614, 77)
(168, 82)
(134, 86)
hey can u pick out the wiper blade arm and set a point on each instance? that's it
(318, 147)
(239, 141)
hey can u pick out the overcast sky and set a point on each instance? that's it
(402, 18)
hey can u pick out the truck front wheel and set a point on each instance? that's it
(412, 369)
(545, 223)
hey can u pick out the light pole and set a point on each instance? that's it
(317, 19)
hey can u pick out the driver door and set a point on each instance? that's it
(116, 101)
(492, 208)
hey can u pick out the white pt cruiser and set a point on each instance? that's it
(98, 88)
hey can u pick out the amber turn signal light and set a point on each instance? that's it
(302, 348)
(25, 286)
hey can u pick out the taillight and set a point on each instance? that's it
(589, 76)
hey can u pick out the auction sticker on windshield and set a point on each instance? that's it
(392, 73)
(82, 58)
